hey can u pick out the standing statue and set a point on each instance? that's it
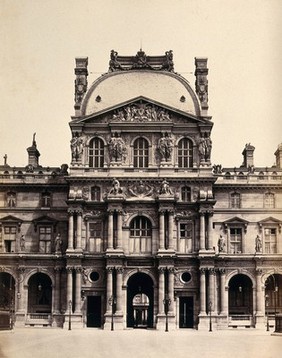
(258, 244)
(76, 146)
(165, 146)
(204, 147)
(58, 243)
(117, 148)
(221, 244)
(22, 243)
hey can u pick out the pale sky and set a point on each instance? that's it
(41, 38)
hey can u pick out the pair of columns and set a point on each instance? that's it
(212, 295)
(119, 214)
(162, 229)
(76, 305)
(166, 291)
(114, 292)
(74, 234)
(206, 222)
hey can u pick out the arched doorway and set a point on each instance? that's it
(240, 295)
(7, 300)
(140, 301)
(40, 294)
(273, 296)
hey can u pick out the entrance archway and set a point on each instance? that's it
(40, 294)
(7, 300)
(273, 295)
(240, 296)
(140, 301)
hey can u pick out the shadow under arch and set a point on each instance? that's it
(140, 285)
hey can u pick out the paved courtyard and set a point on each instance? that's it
(55, 343)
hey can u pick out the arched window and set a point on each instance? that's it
(96, 153)
(141, 153)
(185, 153)
(140, 235)
(185, 193)
(95, 193)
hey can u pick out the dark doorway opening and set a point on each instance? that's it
(140, 301)
(94, 311)
(186, 312)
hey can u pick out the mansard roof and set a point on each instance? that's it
(114, 88)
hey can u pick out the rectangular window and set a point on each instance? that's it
(235, 240)
(269, 201)
(185, 237)
(95, 230)
(10, 233)
(46, 200)
(270, 241)
(45, 235)
(235, 201)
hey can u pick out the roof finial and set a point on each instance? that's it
(140, 44)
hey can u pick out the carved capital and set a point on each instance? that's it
(203, 270)
(110, 269)
(119, 270)
(161, 269)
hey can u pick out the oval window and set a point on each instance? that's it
(186, 277)
(94, 276)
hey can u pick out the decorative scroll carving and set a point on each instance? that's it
(141, 112)
(141, 189)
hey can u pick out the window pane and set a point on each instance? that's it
(96, 153)
(185, 153)
(141, 153)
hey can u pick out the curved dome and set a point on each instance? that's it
(115, 88)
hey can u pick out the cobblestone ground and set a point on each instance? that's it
(57, 343)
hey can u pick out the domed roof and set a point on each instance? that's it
(118, 87)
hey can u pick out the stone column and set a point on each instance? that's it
(21, 298)
(70, 234)
(161, 290)
(259, 294)
(212, 287)
(202, 231)
(78, 290)
(110, 229)
(69, 285)
(171, 289)
(119, 230)
(78, 231)
(161, 230)
(170, 229)
(119, 272)
(203, 290)
(210, 230)
(57, 296)
(109, 286)
(223, 293)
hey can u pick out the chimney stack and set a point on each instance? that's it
(33, 154)
(248, 154)
(278, 155)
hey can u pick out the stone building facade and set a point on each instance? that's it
(141, 230)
